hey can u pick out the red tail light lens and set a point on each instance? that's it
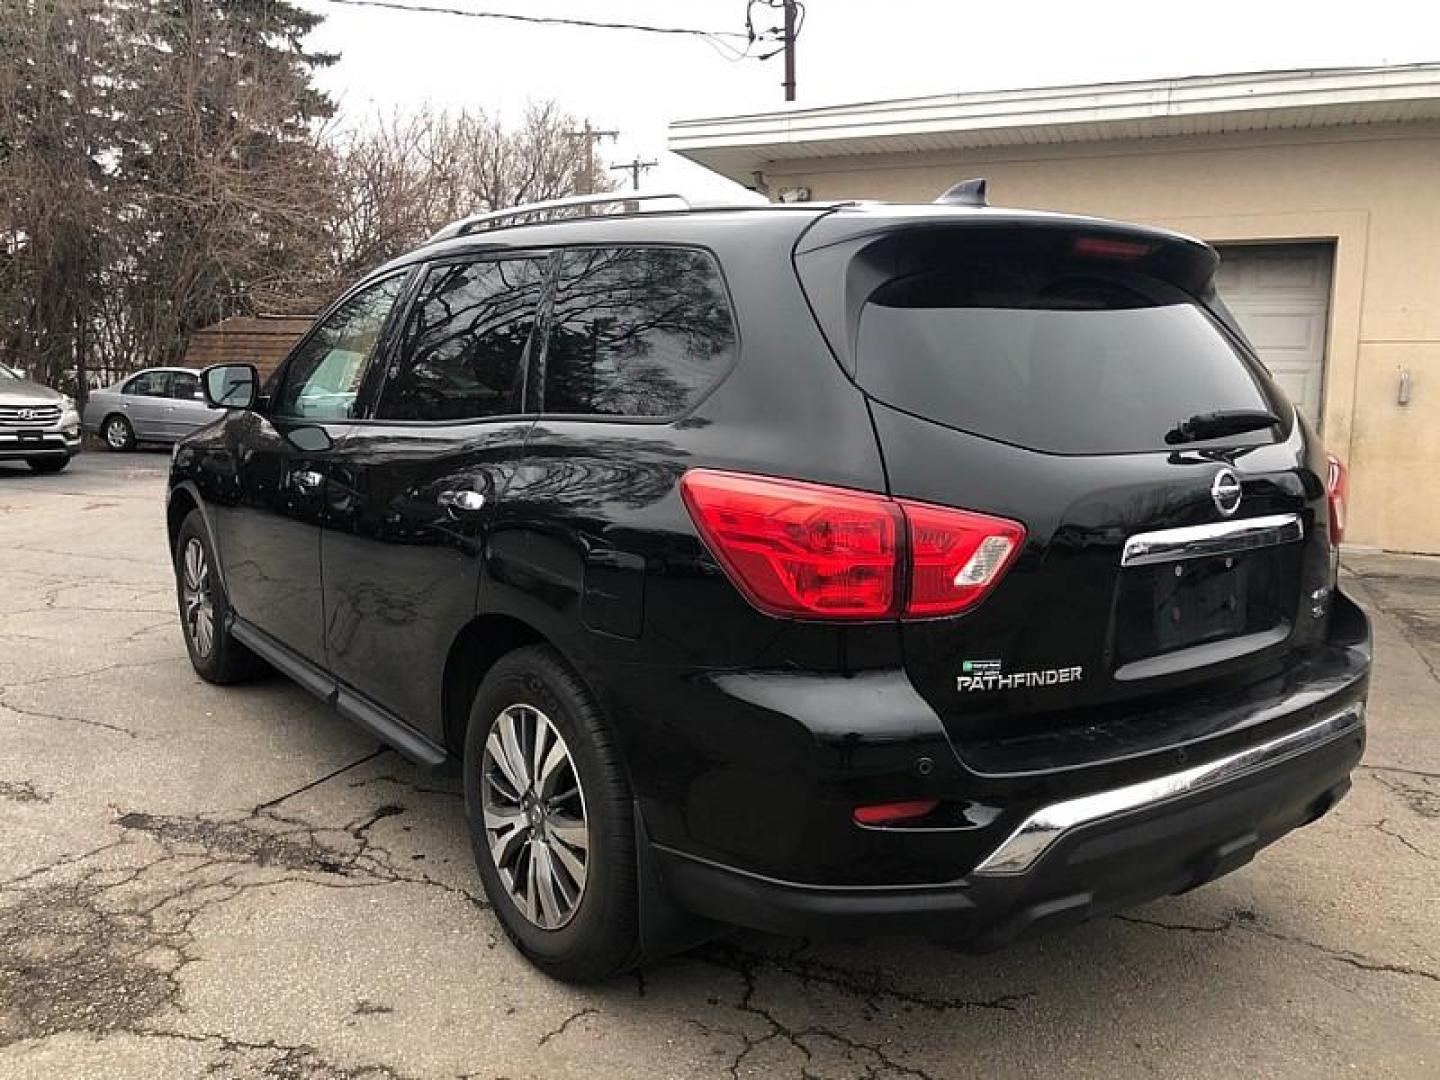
(813, 551)
(893, 812)
(799, 549)
(1337, 490)
(955, 557)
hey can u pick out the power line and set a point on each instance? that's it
(542, 20)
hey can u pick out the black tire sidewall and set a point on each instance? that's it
(600, 940)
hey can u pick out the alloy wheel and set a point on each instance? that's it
(197, 600)
(534, 810)
(116, 437)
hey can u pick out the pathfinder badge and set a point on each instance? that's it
(990, 675)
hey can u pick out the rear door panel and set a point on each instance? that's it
(1069, 630)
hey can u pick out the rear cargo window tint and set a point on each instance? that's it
(636, 332)
(1065, 356)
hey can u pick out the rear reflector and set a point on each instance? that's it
(814, 551)
(1337, 492)
(892, 812)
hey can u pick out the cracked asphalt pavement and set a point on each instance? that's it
(198, 881)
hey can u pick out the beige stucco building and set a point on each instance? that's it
(1322, 189)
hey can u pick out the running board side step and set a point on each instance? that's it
(359, 710)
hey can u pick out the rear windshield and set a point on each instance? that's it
(1067, 355)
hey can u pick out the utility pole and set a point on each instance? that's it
(789, 50)
(635, 168)
(585, 180)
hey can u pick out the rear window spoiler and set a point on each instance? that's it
(844, 255)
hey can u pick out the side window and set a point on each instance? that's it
(184, 385)
(463, 355)
(322, 378)
(636, 332)
(148, 384)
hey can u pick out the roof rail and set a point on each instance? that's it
(575, 206)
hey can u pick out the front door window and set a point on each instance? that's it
(322, 380)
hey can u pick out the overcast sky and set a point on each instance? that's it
(849, 50)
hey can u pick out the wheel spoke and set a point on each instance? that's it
(549, 773)
(505, 836)
(545, 882)
(537, 751)
(569, 860)
(530, 875)
(570, 831)
(495, 754)
(511, 742)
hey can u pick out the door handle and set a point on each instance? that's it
(307, 479)
(461, 502)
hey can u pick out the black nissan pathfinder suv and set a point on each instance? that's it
(848, 568)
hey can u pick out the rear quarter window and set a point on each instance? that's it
(1070, 356)
(635, 332)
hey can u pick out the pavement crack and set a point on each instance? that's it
(1422, 797)
(807, 1041)
(556, 1032)
(119, 665)
(1383, 826)
(1248, 920)
(41, 714)
(1238, 915)
(867, 985)
(23, 791)
(283, 1061)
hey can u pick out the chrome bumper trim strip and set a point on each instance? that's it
(1220, 538)
(1043, 828)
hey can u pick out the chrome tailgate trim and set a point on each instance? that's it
(1220, 538)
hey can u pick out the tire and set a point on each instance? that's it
(117, 433)
(216, 656)
(599, 935)
(48, 464)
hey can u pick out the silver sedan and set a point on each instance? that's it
(155, 405)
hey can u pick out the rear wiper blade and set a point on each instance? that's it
(1212, 425)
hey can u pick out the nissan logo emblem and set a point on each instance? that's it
(26, 414)
(1225, 490)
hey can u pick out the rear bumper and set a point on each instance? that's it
(1070, 860)
(52, 443)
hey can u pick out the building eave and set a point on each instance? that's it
(736, 146)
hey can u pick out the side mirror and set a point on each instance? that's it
(230, 386)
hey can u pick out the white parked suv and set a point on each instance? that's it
(38, 425)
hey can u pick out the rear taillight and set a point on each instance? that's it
(955, 557)
(799, 549)
(814, 551)
(1337, 492)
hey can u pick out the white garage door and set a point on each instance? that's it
(1280, 295)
